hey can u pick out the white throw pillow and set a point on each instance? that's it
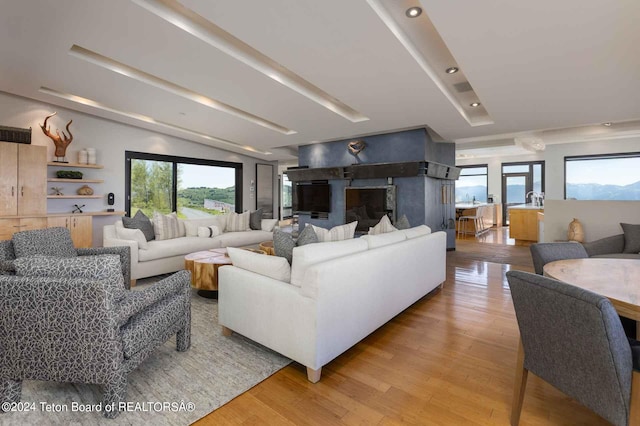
(275, 267)
(416, 231)
(385, 239)
(268, 224)
(166, 226)
(238, 222)
(383, 226)
(223, 219)
(208, 231)
(337, 233)
(132, 234)
(192, 225)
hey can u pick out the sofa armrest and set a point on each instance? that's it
(608, 245)
(109, 239)
(136, 301)
(125, 258)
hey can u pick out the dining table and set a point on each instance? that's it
(616, 279)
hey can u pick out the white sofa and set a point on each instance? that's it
(166, 256)
(339, 293)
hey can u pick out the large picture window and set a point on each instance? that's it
(192, 187)
(472, 184)
(286, 197)
(602, 177)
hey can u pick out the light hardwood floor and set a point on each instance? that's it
(447, 360)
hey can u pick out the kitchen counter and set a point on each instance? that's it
(529, 206)
(523, 223)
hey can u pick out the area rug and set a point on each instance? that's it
(169, 388)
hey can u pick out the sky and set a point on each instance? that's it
(620, 171)
(195, 176)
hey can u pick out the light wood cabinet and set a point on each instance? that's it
(81, 228)
(523, 224)
(9, 226)
(23, 179)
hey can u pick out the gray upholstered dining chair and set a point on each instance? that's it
(543, 253)
(572, 338)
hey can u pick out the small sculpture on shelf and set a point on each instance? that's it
(57, 190)
(85, 190)
(61, 142)
(77, 208)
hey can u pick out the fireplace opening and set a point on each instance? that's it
(367, 205)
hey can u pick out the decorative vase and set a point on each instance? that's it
(85, 190)
(576, 232)
(82, 156)
(91, 155)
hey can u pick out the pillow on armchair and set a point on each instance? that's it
(46, 242)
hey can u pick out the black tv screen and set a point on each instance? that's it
(315, 197)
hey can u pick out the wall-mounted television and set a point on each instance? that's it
(312, 197)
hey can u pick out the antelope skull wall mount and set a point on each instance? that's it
(355, 147)
(61, 142)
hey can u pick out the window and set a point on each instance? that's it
(287, 197)
(472, 184)
(192, 187)
(602, 177)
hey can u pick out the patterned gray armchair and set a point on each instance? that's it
(70, 319)
(55, 242)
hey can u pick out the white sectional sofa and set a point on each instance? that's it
(166, 256)
(339, 292)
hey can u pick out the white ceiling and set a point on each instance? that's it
(538, 67)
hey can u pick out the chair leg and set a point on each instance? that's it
(519, 386)
(10, 391)
(114, 393)
(634, 416)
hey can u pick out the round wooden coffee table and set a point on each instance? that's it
(267, 247)
(204, 270)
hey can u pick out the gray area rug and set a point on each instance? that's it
(212, 372)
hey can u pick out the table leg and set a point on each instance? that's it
(637, 330)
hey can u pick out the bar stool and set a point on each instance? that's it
(478, 221)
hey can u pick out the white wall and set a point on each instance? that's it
(599, 218)
(111, 140)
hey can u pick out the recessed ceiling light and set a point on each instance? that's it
(381, 8)
(607, 124)
(474, 104)
(452, 70)
(413, 12)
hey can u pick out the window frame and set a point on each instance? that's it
(135, 155)
(592, 157)
(472, 166)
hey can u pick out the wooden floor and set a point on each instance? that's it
(447, 360)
